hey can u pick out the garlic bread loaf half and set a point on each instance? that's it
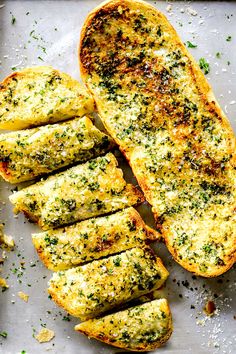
(89, 290)
(94, 188)
(158, 106)
(29, 153)
(40, 95)
(91, 239)
(141, 328)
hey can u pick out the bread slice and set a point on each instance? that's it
(89, 290)
(141, 328)
(40, 95)
(29, 153)
(158, 106)
(83, 191)
(92, 239)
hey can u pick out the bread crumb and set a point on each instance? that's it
(45, 335)
(6, 241)
(210, 308)
(23, 296)
(3, 284)
(191, 11)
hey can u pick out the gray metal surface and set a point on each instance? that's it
(47, 32)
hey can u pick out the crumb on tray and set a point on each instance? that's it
(191, 11)
(45, 335)
(3, 284)
(23, 296)
(6, 241)
(210, 308)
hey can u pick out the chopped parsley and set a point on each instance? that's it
(117, 261)
(93, 186)
(182, 239)
(13, 19)
(191, 45)
(204, 65)
(51, 241)
(229, 39)
(3, 334)
(66, 318)
(207, 248)
(43, 48)
(218, 55)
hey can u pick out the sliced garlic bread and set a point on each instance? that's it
(141, 328)
(89, 290)
(94, 188)
(40, 95)
(29, 153)
(158, 106)
(92, 239)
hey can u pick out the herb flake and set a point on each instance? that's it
(204, 65)
(13, 19)
(3, 334)
(191, 45)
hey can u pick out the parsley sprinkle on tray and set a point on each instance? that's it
(204, 65)
(191, 45)
(13, 19)
(3, 334)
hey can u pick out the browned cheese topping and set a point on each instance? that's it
(157, 105)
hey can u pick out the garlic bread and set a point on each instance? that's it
(29, 153)
(141, 328)
(94, 188)
(91, 239)
(40, 95)
(89, 290)
(158, 106)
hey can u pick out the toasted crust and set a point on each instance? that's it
(89, 290)
(94, 188)
(92, 239)
(160, 109)
(141, 328)
(40, 95)
(29, 153)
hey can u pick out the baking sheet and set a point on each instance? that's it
(47, 32)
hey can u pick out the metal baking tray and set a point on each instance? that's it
(47, 32)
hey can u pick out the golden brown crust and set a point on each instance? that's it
(216, 179)
(4, 172)
(141, 348)
(42, 256)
